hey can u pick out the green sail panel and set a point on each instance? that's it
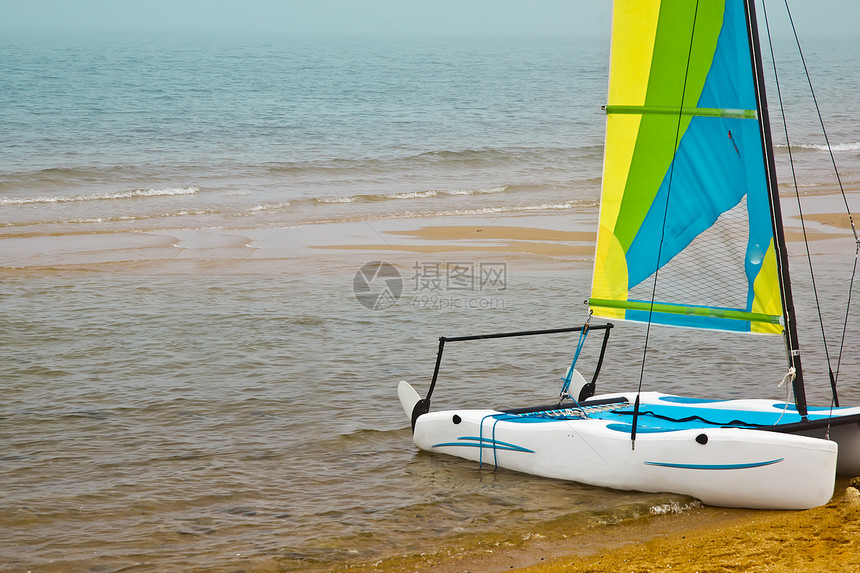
(685, 236)
(675, 111)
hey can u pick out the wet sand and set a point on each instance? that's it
(824, 539)
(548, 241)
(544, 242)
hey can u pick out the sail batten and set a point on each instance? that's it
(675, 111)
(684, 173)
(647, 306)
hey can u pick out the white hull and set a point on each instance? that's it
(847, 436)
(734, 468)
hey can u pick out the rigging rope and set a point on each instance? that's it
(799, 205)
(663, 230)
(834, 376)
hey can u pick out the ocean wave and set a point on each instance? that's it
(838, 147)
(388, 164)
(63, 175)
(674, 507)
(468, 155)
(171, 214)
(410, 195)
(270, 206)
(440, 158)
(490, 154)
(791, 185)
(515, 208)
(486, 191)
(375, 197)
(337, 199)
(114, 218)
(130, 194)
(407, 214)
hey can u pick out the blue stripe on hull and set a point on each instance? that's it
(467, 441)
(714, 466)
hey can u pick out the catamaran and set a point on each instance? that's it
(690, 235)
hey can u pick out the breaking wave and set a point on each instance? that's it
(575, 204)
(130, 194)
(270, 206)
(409, 195)
(838, 147)
(113, 218)
(375, 198)
(674, 507)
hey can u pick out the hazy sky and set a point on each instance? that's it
(290, 18)
(310, 17)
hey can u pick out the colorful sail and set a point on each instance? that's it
(685, 197)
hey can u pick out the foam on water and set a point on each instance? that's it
(489, 191)
(675, 507)
(835, 147)
(426, 194)
(335, 199)
(270, 206)
(130, 194)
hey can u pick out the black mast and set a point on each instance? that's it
(791, 341)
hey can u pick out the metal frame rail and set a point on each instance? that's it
(423, 405)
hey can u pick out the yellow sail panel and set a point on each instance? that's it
(767, 294)
(634, 29)
(610, 276)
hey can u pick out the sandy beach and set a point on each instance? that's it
(548, 240)
(823, 539)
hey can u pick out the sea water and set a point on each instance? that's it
(154, 419)
(240, 132)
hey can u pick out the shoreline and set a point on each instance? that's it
(544, 241)
(823, 539)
